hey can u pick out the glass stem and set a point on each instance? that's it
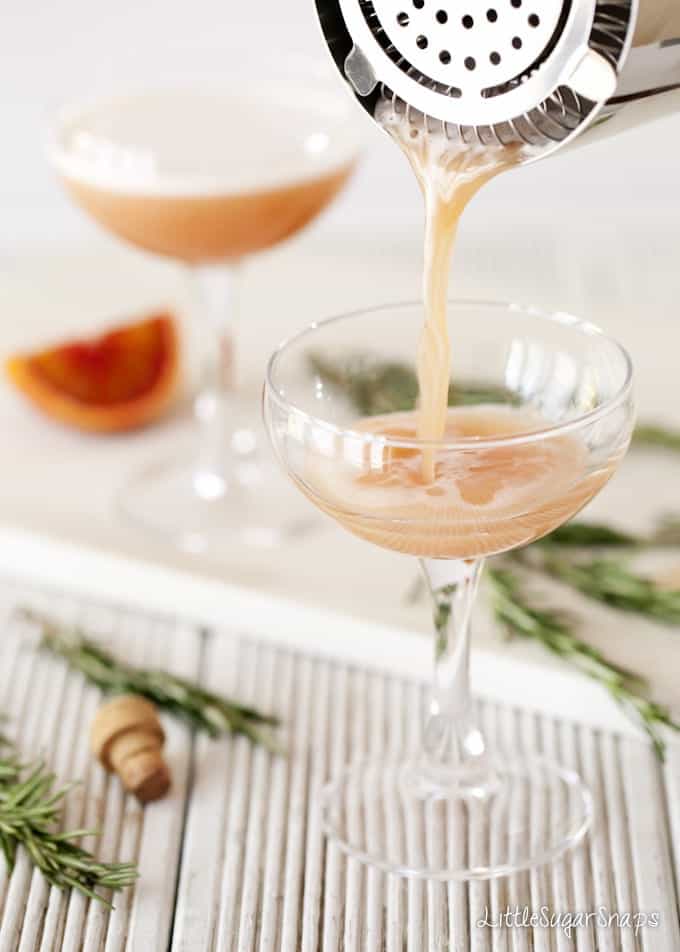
(453, 741)
(215, 287)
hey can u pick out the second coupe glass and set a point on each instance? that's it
(209, 171)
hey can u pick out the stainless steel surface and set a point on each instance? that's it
(509, 71)
(235, 859)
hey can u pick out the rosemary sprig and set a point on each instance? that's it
(612, 583)
(588, 535)
(595, 535)
(441, 615)
(555, 632)
(653, 435)
(30, 813)
(386, 386)
(375, 387)
(372, 388)
(615, 584)
(184, 699)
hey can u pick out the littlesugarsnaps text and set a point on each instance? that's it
(524, 917)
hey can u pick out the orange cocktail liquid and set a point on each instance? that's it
(213, 227)
(204, 176)
(480, 500)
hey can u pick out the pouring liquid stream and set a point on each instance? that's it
(449, 174)
(434, 500)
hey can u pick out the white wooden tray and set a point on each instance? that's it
(234, 859)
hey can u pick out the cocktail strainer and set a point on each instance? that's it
(508, 71)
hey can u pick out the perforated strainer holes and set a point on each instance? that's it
(468, 48)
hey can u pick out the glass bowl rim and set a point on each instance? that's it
(562, 318)
(300, 68)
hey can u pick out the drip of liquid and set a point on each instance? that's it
(449, 174)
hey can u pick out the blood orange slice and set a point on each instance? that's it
(122, 380)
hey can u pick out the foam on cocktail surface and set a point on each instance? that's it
(203, 142)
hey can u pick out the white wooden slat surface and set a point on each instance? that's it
(49, 711)
(250, 871)
(672, 783)
(342, 906)
(650, 843)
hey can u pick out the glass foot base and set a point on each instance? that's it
(251, 503)
(393, 817)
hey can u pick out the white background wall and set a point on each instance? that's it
(52, 51)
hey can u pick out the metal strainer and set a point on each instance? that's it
(536, 71)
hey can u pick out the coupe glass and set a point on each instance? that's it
(460, 810)
(209, 168)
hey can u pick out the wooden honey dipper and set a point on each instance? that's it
(127, 738)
